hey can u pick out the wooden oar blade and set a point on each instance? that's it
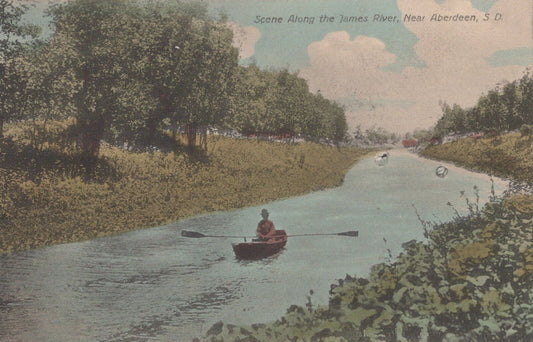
(353, 233)
(190, 234)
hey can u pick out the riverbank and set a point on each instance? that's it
(455, 168)
(53, 203)
(507, 156)
(470, 279)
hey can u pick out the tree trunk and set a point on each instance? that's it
(190, 131)
(203, 138)
(91, 132)
(151, 129)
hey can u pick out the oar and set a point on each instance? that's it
(190, 234)
(187, 233)
(352, 233)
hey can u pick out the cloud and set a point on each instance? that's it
(244, 38)
(455, 54)
(347, 66)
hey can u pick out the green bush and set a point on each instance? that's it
(471, 281)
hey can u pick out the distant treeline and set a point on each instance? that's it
(372, 136)
(505, 108)
(132, 72)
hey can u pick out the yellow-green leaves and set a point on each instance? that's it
(134, 190)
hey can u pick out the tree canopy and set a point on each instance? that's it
(506, 107)
(131, 72)
(13, 35)
(280, 103)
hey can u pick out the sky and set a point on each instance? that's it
(388, 71)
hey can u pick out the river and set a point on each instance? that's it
(155, 285)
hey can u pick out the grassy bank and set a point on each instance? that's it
(47, 198)
(470, 281)
(508, 156)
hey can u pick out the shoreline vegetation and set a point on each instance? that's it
(47, 198)
(506, 156)
(470, 280)
(168, 82)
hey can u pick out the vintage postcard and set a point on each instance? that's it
(266, 170)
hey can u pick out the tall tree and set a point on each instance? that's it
(13, 34)
(525, 107)
(292, 101)
(42, 80)
(135, 110)
(185, 66)
(80, 33)
(209, 62)
(248, 102)
(137, 65)
(510, 102)
(491, 111)
(453, 119)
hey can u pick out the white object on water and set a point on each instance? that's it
(441, 171)
(382, 159)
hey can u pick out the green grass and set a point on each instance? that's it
(48, 198)
(509, 156)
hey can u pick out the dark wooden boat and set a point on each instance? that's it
(260, 249)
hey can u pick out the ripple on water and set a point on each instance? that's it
(156, 284)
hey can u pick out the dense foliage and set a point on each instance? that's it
(470, 281)
(507, 107)
(12, 35)
(280, 104)
(125, 68)
(373, 136)
(130, 71)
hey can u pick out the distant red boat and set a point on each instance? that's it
(409, 143)
(260, 249)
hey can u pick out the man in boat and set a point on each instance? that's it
(265, 227)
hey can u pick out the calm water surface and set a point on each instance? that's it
(154, 285)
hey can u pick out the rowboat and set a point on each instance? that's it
(260, 249)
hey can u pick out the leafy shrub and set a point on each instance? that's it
(473, 286)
